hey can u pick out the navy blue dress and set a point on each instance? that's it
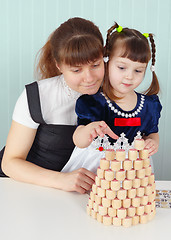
(144, 117)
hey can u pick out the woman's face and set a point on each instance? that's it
(85, 79)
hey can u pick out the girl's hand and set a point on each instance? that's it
(99, 129)
(80, 180)
(151, 145)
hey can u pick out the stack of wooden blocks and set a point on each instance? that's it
(124, 188)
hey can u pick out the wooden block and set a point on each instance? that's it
(144, 153)
(109, 175)
(140, 191)
(121, 194)
(138, 164)
(105, 184)
(100, 172)
(98, 199)
(127, 164)
(101, 192)
(116, 203)
(93, 214)
(115, 185)
(151, 197)
(144, 218)
(112, 212)
(136, 202)
(121, 213)
(144, 181)
(146, 162)
(151, 178)
(148, 171)
(140, 173)
(144, 200)
(94, 188)
(135, 220)
(110, 154)
(104, 164)
(120, 175)
(127, 184)
(132, 193)
(136, 183)
(90, 203)
(132, 154)
(115, 165)
(97, 181)
(148, 189)
(126, 203)
(110, 194)
(95, 207)
(148, 208)
(131, 211)
(99, 218)
(88, 210)
(140, 210)
(106, 202)
(92, 196)
(127, 222)
(116, 221)
(107, 220)
(130, 174)
(102, 210)
(120, 154)
(139, 144)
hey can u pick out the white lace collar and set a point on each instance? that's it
(72, 94)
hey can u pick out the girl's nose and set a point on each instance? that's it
(129, 75)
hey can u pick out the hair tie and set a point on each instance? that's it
(119, 29)
(146, 35)
(106, 59)
(152, 68)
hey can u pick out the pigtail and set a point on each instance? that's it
(109, 35)
(154, 87)
(46, 65)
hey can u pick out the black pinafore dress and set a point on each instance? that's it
(53, 144)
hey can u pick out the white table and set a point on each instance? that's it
(29, 212)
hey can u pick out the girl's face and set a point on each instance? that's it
(85, 79)
(125, 75)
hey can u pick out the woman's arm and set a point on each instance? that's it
(152, 143)
(14, 164)
(84, 135)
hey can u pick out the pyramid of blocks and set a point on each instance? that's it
(124, 190)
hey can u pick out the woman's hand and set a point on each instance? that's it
(80, 180)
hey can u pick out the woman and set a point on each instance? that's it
(40, 143)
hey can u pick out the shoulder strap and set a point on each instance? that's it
(34, 102)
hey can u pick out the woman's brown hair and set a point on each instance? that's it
(76, 41)
(136, 47)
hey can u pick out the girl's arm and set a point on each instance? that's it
(152, 143)
(84, 135)
(14, 164)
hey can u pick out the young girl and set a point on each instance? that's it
(40, 142)
(119, 106)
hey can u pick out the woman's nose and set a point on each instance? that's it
(88, 76)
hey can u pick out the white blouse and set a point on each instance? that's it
(57, 102)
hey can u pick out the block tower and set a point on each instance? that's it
(124, 190)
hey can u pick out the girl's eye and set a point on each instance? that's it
(122, 68)
(75, 70)
(138, 71)
(96, 65)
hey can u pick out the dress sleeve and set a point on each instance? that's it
(21, 112)
(155, 109)
(88, 109)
